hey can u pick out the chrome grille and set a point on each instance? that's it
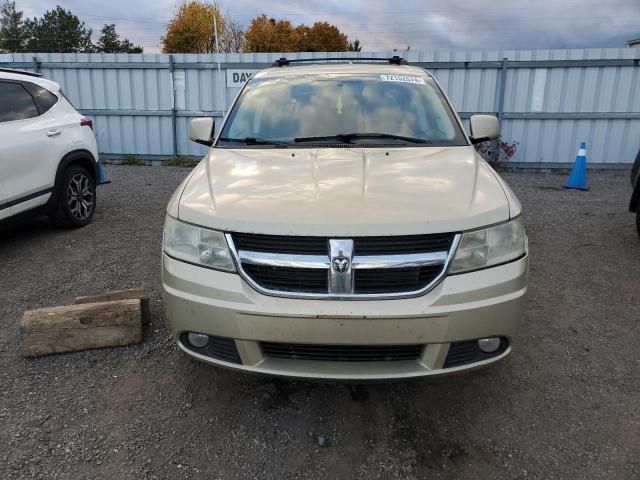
(394, 280)
(361, 267)
(288, 278)
(402, 245)
(280, 244)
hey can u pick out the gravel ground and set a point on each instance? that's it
(566, 404)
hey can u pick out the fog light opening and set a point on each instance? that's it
(198, 340)
(489, 345)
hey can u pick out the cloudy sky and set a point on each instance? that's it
(389, 24)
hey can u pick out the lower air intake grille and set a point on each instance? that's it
(463, 353)
(219, 348)
(341, 353)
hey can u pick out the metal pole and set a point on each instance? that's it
(501, 91)
(223, 99)
(174, 124)
(36, 64)
(499, 104)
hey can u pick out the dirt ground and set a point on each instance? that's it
(564, 405)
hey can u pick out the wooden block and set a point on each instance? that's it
(132, 293)
(81, 327)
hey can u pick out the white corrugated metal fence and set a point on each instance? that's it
(548, 100)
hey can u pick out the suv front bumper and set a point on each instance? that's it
(486, 303)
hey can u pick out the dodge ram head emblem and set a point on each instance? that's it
(341, 264)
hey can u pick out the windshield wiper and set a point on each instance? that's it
(253, 141)
(347, 137)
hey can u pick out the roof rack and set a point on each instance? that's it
(395, 60)
(20, 72)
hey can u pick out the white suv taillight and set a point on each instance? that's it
(86, 122)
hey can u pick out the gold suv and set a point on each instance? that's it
(343, 227)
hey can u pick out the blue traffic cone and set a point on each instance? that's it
(101, 176)
(578, 178)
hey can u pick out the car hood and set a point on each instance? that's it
(343, 191)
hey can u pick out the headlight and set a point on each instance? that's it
(196, 245)
(489, 247)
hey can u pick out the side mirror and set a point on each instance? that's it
(483, 128)
(201, 130)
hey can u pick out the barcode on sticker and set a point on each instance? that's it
(403, 79)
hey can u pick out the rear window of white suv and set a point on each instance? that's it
(15, 102)
(292, 108)
(44, 98)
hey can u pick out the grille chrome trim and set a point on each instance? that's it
(340, 275)
(283, 260)
(361, 262)
(399, 261)
(428, 257)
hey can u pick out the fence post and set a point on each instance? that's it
(174, 123)
(501, 90)
(36, 64)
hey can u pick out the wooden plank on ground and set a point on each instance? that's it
(132, 293)
(81, 327)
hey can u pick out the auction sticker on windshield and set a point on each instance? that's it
(403, 79)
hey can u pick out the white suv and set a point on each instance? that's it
(48, 153)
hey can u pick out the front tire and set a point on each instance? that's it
(76, 199)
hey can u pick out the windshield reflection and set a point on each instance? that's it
(285, 108)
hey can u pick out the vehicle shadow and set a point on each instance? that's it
(24, 226)
(432, 424)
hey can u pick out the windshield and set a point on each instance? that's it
(338, 108)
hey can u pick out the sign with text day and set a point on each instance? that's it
(238, 77)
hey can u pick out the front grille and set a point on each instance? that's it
(280, 244)
(402, 245)
(341, 353)
(396, 280)
(289, 279)
(301, 265)
(219, 348)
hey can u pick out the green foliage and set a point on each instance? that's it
(12, 32)
(181, 161)
(58, 31)
(132, 160)
(109, 42)
(354, 46)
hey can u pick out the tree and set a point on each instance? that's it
(271, 35)
(354, 46)
(12, 32)
(324, 37)
(191, 30)
(109, 42)
(58, 31)
(232, 38)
